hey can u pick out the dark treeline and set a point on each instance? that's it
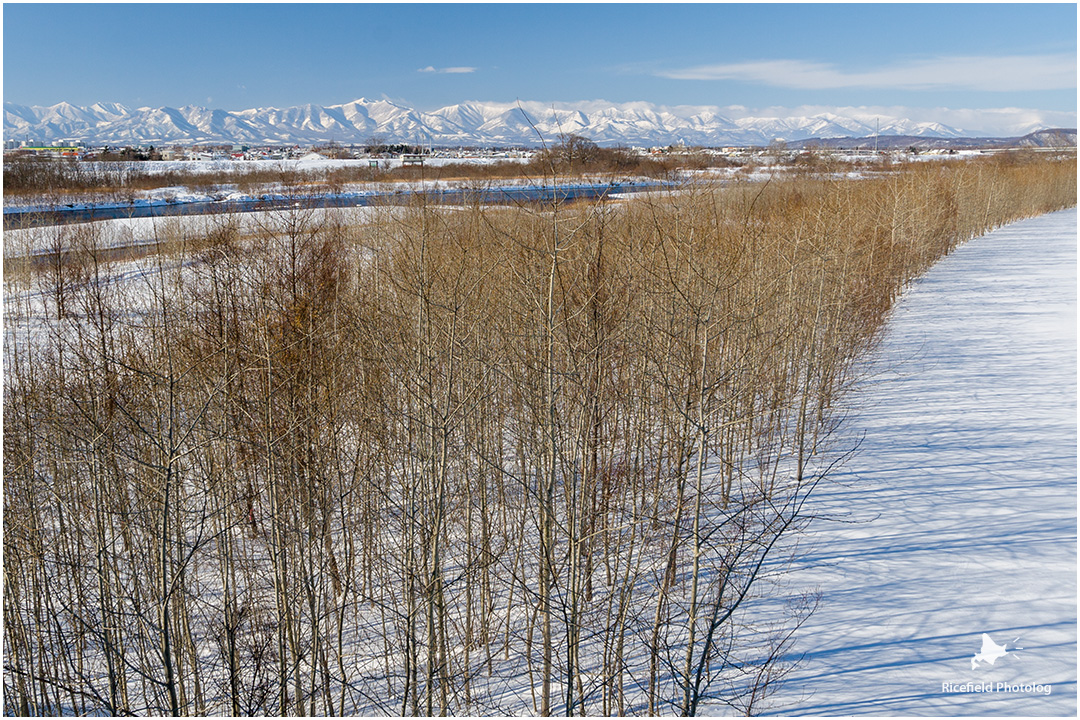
(470, 461)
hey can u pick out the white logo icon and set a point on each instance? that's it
(990, 652)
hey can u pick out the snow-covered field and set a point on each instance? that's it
(309, 162)
(128, 232)
(957, 517)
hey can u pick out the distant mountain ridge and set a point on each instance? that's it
(472, 123)
(1048, 138)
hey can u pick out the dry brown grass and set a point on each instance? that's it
(392, 467)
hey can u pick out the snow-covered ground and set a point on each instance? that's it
(128, 232)
(309, 162)
(958, 516)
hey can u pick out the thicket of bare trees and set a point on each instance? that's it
(467, 460)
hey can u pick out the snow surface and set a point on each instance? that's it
(311, 161)
(131, 232)
(957, 517)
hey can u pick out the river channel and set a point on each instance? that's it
(20, 218)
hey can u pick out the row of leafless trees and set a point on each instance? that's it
(485, 461)
(59, 181)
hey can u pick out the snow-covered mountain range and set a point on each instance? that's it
(471, 123)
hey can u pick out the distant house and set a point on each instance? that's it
(54, 150)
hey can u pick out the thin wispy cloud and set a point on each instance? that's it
(989, 73)
(447, 70)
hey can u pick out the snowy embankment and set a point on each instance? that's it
(957, 517)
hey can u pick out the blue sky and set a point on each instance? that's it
(236, 56)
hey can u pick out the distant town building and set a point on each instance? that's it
(55, 150)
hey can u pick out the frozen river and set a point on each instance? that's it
(957, 517)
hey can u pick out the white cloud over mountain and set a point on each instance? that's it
(988, 73)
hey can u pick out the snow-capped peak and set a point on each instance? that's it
(466, 123)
